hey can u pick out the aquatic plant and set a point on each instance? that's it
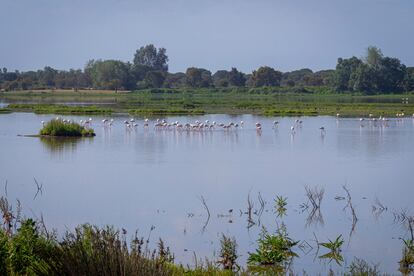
(273, 249)
(57, 127)
(228, 253)
(280, 205)
(407, 260)
(361, 267)
(335, 250)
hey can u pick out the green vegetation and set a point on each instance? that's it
(5, 110)
(59, 109)
(407, 260)
(280, 205)
(273, 249)
(361, 267)
(28, 248)
(228, 253)
(170, 111)
(335, 250)
(58, 127)
(373, 74)
(270, 101)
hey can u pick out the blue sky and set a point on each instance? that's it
(285, 34)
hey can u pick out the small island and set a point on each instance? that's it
(63, 128)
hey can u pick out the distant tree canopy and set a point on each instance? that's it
(373, 73)
(266, 76)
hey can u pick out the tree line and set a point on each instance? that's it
(374, 73)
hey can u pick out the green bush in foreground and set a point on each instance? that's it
(58, 127)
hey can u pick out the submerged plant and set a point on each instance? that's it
(228, 253)
(335, 250)
(280, 205)
(273, 249)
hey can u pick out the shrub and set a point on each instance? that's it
(274, 249)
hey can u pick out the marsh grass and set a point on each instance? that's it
(59, 109)
(271, 101)
(5, 110)
(59, 128)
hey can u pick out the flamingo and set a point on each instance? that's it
(258, 126)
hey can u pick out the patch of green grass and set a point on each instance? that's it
(59, 109)
(5, 110)
(57, 127)
(171, 111)
(271, 101)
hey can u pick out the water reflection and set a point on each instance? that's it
(59, 145)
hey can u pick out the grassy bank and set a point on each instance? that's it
(273, 101)
(59, 109)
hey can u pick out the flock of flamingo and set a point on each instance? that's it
(163, 124)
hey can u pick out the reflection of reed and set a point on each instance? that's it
(60, 144)
(315, 196)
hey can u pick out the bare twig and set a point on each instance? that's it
(350, 206)
(39, 188)
(250, 205)
(315, 196)
(203, 201)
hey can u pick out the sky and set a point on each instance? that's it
(211, 34)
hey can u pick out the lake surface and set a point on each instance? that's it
(136, 179)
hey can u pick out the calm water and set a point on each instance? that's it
(140, 178)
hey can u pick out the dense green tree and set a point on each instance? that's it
(153, 79)
(266, 76)
(297, 77)
(198, 77)
(363, 79)
(390, 75)
(408, 82)
(108, 74)
(342, 75)
(150, 57)
(221, 78)
(236, 78)
(177, 80)
(374, 57)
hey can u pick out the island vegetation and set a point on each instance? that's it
(63, 128)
